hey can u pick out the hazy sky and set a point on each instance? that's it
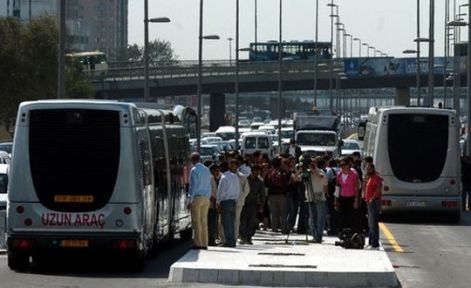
(389, 25)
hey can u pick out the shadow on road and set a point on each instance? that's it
(426, 218)
(112, 267)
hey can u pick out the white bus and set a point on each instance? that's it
(416, 151)
(96, 176)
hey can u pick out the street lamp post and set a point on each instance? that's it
(280, 66)
(61, 55)
(236, 86)
(146, 46)
(457, 73)
(371, 47)
(331, 80)
(338, 30)
(367, 49)
(316, 55)
(431, 55)
(359, 46)
(468, 118)
(230, 50)
(351, 44)
(200, 73)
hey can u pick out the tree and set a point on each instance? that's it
(160, 51)
(28, 65)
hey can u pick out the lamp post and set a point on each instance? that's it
(468, 66)
(200, 73)
(316, 55)
(338, 30)
(230, 50)
(457, 73)
(351, 44)
(367, 49)
(359, 46)
(61, 55)
(280, 66)
(236, 86)
(371, 47)
(146, 46)
(331, 76)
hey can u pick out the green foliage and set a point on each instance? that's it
(28, 65)
(160, 51)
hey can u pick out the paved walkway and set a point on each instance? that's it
(273, 261)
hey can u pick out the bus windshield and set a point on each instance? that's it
(316, 139)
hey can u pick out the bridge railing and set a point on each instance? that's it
(189, 69)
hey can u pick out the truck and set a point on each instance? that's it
(317, 134)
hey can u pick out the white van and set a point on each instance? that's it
(256, 141)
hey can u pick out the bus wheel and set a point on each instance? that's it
(18, 262)
(186, 234)
(152, 252)
(454, 218)
(138, 262)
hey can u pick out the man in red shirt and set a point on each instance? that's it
(373, 188)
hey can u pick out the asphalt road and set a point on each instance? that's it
(436, 253)
(97, 273)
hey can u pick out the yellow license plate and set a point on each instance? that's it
(73, 199)
(74, 243)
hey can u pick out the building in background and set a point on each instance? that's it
(91, 24)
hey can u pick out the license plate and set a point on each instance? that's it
(74, 243)
(73, 198)
(416, 204)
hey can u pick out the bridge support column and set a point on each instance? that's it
(402, 96)
(217, 110)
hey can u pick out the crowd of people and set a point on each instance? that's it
(291, 193)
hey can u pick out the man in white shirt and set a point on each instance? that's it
(226, 198)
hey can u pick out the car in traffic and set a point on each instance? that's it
(209, 152)
(4, 157)
(350, 146)
(3, 185)
(211, 140)
(6, 147)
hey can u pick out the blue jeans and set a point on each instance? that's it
(374, 210)
(228, 212)
(317, 213)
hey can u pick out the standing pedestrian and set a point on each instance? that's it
(466, 181)
(316, 191)
(212, 212)
(244, 191)
(199, 194)
(373, 188)
(227, 196)
(347, 196)
(254, 199)
(277, 185)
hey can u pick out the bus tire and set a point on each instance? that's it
(455, 217)
(186, 234)
(138, 262)
(18, 262)
(154, 248)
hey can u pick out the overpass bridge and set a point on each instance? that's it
(219, 77)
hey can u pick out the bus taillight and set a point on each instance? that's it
(127, 210)
(386, 202)
(28, 222)
(449, 204)
(386, 188)
(124, 244)
(22, 243)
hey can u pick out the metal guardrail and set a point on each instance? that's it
(189, 69)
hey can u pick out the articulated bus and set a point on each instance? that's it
(96, 176)
(416, 151)
(292, 50)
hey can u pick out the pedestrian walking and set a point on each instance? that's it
(373, 188)
(199, 194)
(244, 191)
(227, 196)
(254, 199)
(316, 184)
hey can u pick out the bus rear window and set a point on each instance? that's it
(418, 145)
(74, 157)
